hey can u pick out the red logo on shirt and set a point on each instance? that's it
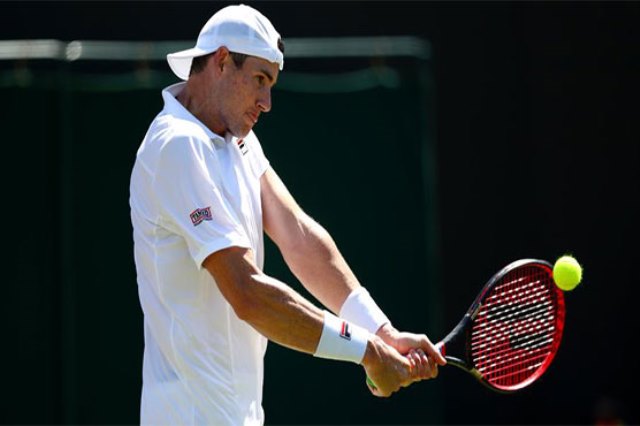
(200, 215)
(243, 147)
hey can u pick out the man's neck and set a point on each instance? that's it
(199, 108)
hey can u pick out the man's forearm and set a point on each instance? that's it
(275, 310)
(316, 261)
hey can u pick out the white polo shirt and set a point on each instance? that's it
(193, 193)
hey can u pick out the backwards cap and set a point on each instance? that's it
(242, 29)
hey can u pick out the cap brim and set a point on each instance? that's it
(180, 62)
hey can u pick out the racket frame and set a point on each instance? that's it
(457, 352)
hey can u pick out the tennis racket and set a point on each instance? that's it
(512, 331)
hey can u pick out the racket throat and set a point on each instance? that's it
(454, 346)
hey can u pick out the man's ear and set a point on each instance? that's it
(221, 58)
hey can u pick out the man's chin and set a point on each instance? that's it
(240, 133)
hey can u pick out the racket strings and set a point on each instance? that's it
(513, 375)
(523, 338)
(515, 327)
(518, 310)
(502, 324)
(494, 361)
(498, 339)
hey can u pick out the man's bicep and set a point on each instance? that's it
(232, 269)
(225, 264)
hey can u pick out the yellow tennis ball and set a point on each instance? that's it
(567, 273)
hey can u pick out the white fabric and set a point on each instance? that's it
(341, 340)
(361, 309)
(192, 193)
(242, 29)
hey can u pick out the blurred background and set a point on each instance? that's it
(436, 141)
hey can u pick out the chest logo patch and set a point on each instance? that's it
(200, 215)
(243, 146)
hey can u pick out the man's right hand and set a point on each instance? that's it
(387, 368)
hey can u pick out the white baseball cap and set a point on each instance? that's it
(241, 29)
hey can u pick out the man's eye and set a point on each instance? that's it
(260, 79)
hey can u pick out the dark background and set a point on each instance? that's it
(536, 132)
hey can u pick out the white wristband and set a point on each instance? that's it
(341, 340)
(361, 309)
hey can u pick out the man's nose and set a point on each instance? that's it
(264, 101)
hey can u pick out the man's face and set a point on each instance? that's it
(245, 93)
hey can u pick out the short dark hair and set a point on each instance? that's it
(200, 62)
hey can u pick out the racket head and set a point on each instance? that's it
(512, 331)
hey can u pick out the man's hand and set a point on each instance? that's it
(423, 355)
(387, 369)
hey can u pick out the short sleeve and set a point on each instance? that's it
(190, 200)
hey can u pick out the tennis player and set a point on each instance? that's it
(202, 194)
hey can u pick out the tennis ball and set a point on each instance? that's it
(567, 273)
